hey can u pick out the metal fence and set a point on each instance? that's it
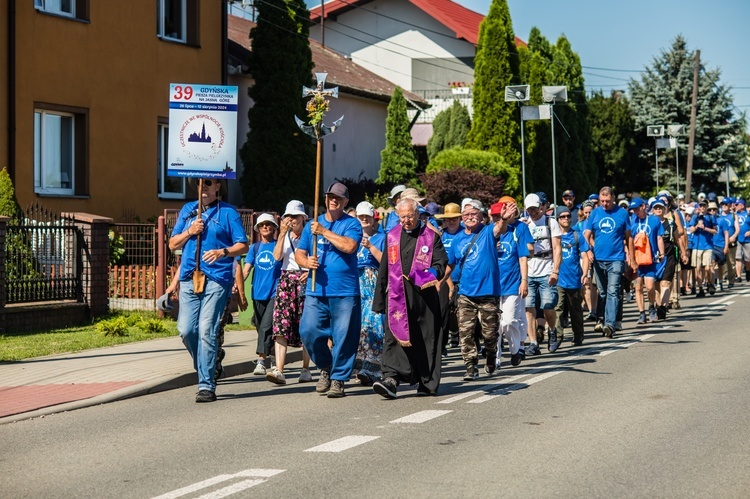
(132, 273)
(43, 259)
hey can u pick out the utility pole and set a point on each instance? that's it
(691, 141)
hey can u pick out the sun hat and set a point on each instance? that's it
(365, 208)
(294, 208)
(412, 193)
(398, 189)
(624, 203)
(263, 218)
(164, 303)
(713, 206)
(451, 210)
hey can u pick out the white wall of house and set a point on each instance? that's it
(393, 44)
(352, 149)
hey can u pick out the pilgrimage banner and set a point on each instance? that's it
(202, 131)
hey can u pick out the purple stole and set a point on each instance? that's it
(398, 320)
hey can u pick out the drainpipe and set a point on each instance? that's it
(12, 90)
(224, 41)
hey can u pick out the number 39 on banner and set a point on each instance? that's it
(182, 93)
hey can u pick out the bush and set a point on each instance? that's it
(450, 186)
(485, 162)
(117, 326)
(152, 325)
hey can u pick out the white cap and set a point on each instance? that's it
(295, 207)
(472, 203)
(265, 217)
(701, 195)
(532, 201)
(689, 210)
(680, 196)
(465, 202)
(365, 208)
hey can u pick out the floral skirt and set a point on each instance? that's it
(287, 309)
(371, 334)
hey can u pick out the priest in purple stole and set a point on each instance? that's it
(412, 265)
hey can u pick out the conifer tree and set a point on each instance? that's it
(398, 163)
(278, 158)
(449, 129)
(496, 65)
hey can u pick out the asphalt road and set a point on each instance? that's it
(661, 411)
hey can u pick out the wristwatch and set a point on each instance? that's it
(226, 251)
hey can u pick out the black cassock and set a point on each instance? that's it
(419, 363)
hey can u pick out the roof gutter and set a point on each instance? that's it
(11, 89)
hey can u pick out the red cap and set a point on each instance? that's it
(497, 208)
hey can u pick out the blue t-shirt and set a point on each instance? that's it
(510, 249)
(570, 265)
(391, 221)
(722, 224)
(447, 239)
(337, 274)
(479, 275)
(653, 228)
(364, 256)
(741, 219)
(222, 228)
(730, 223)
(703, 240)
(608, 228)
(523, 232)
(266, 269)
(744, 227)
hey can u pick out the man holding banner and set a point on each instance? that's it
(406, 291)
(215, 228)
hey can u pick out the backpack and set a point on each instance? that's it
(642, 249)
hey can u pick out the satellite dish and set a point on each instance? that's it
(555, 94)
(517, 93)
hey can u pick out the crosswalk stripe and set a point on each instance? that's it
(343, 443)
(420, 417)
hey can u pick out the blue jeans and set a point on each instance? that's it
(541, 294)
(198, 324)
(338, 319)
(609, 275)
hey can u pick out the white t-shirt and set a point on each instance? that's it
(542, 266)
(290, 246)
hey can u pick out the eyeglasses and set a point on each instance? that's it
(207, 182)
(469, 216)
(563, 216)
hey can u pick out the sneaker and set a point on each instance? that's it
(701, 293)
(730, 285)
(591, 317)
(472, 373)
(652, 317)
(337, 389)
(516, 358)
(618, 325)
(599, 328)
(540, 334)
(454, 340)
(522, 353)
(205, 396)
(721, 286)
(423, 391)
(608, 331)
(747, 275)
(554, 343)
(682, 290)
(534, 349)
(491, 364)
(386, 387)
(631, 296)
(365, 378)
(324, 382)
(276, 377)
(711, 289)
(642, 318)
(260, 368)
(577, 342)
(661, 312)
(305, 376)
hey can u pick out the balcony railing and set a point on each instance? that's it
(440, 100)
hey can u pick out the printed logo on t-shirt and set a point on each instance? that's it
(568, 252)
(607, 225)
(323, 245)
(504, 250)
(265, 260)
(643, 227)
(473, 253)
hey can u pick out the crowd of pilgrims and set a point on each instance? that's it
(550, 270)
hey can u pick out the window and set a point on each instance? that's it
(77, 9)
(169, 187)
(177, 20)
(60, 151)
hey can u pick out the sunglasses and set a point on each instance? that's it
(207, 182)
(266, 224)
(563, 216)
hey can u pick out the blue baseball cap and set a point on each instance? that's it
(729, 200)
(542, 197)
(568, 194)
(594, 197)
(658, 202)
(637, 203)
(739, 201)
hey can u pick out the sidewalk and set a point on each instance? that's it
(46, 385)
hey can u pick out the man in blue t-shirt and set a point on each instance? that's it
(703, 228)
(607, 234)
(474, 250)
(333, 309)
(575, 257)
(222, 238)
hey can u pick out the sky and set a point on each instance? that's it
(621, 38)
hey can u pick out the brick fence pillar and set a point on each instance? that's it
(95, 271)
(3, 273)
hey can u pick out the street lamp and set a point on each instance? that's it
(675, 131)
(552, 95)
(656, 131)
(519, 93)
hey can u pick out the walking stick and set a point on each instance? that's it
(316, 109)
(199, 278)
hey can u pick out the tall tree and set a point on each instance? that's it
(449, 129)
(663, 96)
(495, 127)
(398, 163)
(279, 159)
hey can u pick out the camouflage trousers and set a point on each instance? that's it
(486, 311)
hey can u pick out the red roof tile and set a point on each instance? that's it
(464, 22)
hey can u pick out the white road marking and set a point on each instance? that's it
(343, 443)
(514, 387)
(233, 489)
(420, 417)
(722, 300)
(260, 473)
